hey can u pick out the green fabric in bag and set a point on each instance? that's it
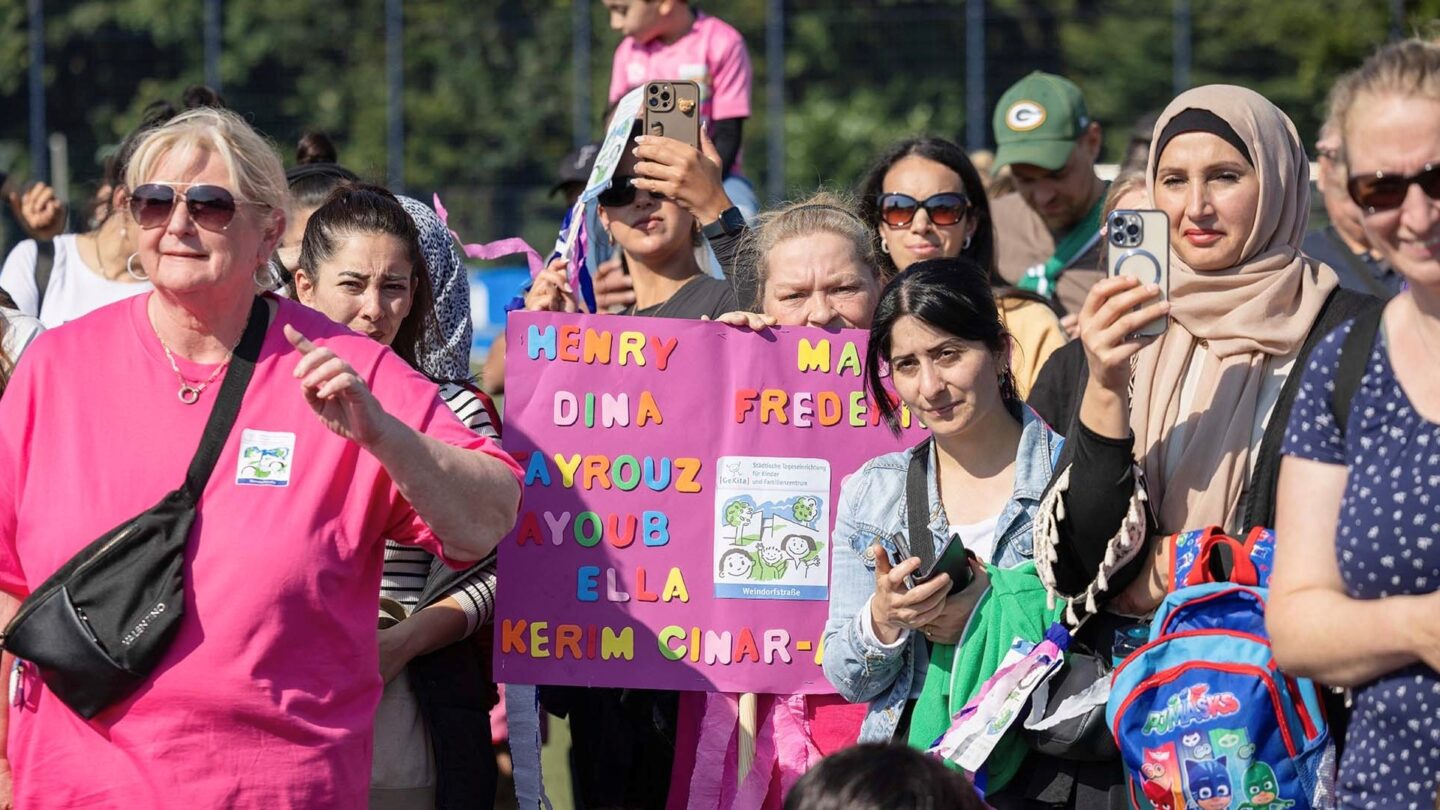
(1013, 607)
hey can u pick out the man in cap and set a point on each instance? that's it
(1048, 235)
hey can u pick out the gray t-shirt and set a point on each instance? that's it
(705, 296)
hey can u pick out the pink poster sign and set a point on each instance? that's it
(680, 489)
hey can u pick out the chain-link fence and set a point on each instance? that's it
(478, 101)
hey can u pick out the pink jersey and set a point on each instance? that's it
(267, 695)
(712, 54)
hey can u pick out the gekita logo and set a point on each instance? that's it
(1024, 116)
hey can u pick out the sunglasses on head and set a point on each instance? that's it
(622, 192)
(212, 207)
(1386, 192)
(898, 210)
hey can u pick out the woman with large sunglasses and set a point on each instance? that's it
(1355, 599)
(658, 239)
(925, 200)
(266, 695)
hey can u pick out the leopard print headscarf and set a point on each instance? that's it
(444, 350)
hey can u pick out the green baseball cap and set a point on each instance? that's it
(1038, 121)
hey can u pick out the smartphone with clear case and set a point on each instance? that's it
(1138, 245)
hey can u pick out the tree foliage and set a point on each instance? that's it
(488, 88)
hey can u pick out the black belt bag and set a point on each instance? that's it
(99, 626)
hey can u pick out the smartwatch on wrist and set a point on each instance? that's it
(729, 224)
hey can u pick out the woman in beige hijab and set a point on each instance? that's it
(1192, 421)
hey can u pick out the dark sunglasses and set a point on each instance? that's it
(898, 210)
(622, 192)
(212, 207)
(1386, 192)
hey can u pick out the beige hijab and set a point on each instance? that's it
(1261, 308)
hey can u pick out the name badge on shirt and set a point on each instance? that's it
(265, 458)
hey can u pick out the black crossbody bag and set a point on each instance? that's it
(98, 627)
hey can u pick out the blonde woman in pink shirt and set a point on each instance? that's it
(266, 695)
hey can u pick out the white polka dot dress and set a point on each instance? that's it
(1387, 544)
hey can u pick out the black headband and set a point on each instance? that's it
(332, 171)
(1196, 120)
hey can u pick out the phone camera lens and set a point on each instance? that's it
(1133, 229)
(654, 102)
(665, 96)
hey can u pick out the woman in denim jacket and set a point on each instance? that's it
(939, 333)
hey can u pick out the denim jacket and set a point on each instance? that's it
(872, 508)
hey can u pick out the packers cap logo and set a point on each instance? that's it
(1024, 116)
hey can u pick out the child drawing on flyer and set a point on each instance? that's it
(803, 552)
(772, 563)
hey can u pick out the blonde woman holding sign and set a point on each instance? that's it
(812, 264)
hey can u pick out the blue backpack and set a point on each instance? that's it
(1203, 717)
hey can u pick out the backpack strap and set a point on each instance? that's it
(1354, 356)
(917, 506)
(1224, 559)
(44, 263)
(1342, 305)
(1260, 551)
(1210, 555)
(1187, 553)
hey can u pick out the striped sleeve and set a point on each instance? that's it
(472, 410)
(476, 594)
(476, 591)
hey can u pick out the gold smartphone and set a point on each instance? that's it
(1139, 247)
(672, 109)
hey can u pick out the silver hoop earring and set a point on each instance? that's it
(267, 278)
(130, 268)
(884, 247)
(966, 246)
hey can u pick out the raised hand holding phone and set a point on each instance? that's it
(689, 175)
(672, 110)
(895, 605)
(1114, 309)
(1139, 248)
